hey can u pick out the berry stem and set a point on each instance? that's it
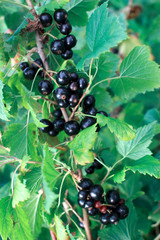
(80, 219)
(86, 225)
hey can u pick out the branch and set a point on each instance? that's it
(66, 201)
(86, 225)
(52, 235)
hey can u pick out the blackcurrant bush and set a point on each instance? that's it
(105, 218)
(92, 212)
(65, 28)
(91, 111)
(97, 164)
(70, 41)
(113, 218)
(46, 19)
(88, 204)
(96, 192)
(87, 122)
(39, 62)
(49, 126)
(82, 83)
(112, 197)
(58, 124)
(29, 73)
(63, 103)
(71, 128)
(86, 183)
(73, 100)
(81, 203)
(68, 54)
(90, 170)
(63, 77)
(89, 101)
(122, 211)
(60, 16)
(73, 86)
(103, 113)
(74, 77)
(57, 47)
(57, 113)
(82, 194)
(23, 65)
(61, 93)
(45, 87)
(52, 132)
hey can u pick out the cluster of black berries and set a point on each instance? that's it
(29, 72)
(64, 45)
(91, 198)
(95, 165)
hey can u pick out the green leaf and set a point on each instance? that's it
(138, 74)
(49, 172)
(21, 140)
(125, 230)
(21, 228)
(20, 193)
(138, 147)
(24, 162)
(33, 208)
(82, 145)
(102, 33)
(3, 112)
(34, 179)
(60, 229)
(119, 176)
(51, 197)
(146, 165)
(6, 222)
(77, 11)
(35, 119)
(121, 129)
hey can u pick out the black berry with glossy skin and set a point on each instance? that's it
(71, 128)
(92, 212)
(91, 111)
(89, 204)
(82, 194)
(81, 203)
(113, 197)
(63, 77)
(70, 41)
(65, 28)
(57, 47)
(114, 218)
(29, 73)
(86, 183)
(52, 132)
(59, 124)
(73, 86)
(81, 225)
(39, 62)
(46, 19)
(89, 101)
(48, 124)
(45, 87)
(96, 192)
(82, 83)
(105, 218)
(122, 211)
(90, 170)
(61, 93)
(97, 164)
(74, 77)
(103, 113)
(73, 100)
(57, 113)
(63, 103)
(23, 65)
(68, 54)
(87, 122)
(60, 16)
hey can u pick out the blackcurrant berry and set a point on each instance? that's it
(89, 204)
(49, 126)
(29, 73)
(87, 122)
(96, 192)
(39, 62)
(81, 225)
(59, 124)
(57, 47)
(70, 41)
(68, 54)
(46, 19)
(105, 218)
(103, 209)
(53, 132)
(81, 203)
(91, 111)
(103, 113)
(82, 83)
(23, 65)
(63, 103)
(113, 218)
(82, 194)
(86, 183)
(73, 86)
(122, 211)
(41, 74)
(90, 170)
(73, 100)
(92, 212)
(102, 199)
(121, 201)
(89, 101)
(63, 77)
(60, 16)
(45, 87)
(74, 77)
(71, 128)
(61, 93)
(65, 28)
(57, 113)
(97, 204)
(112, 197)
(97, 164)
